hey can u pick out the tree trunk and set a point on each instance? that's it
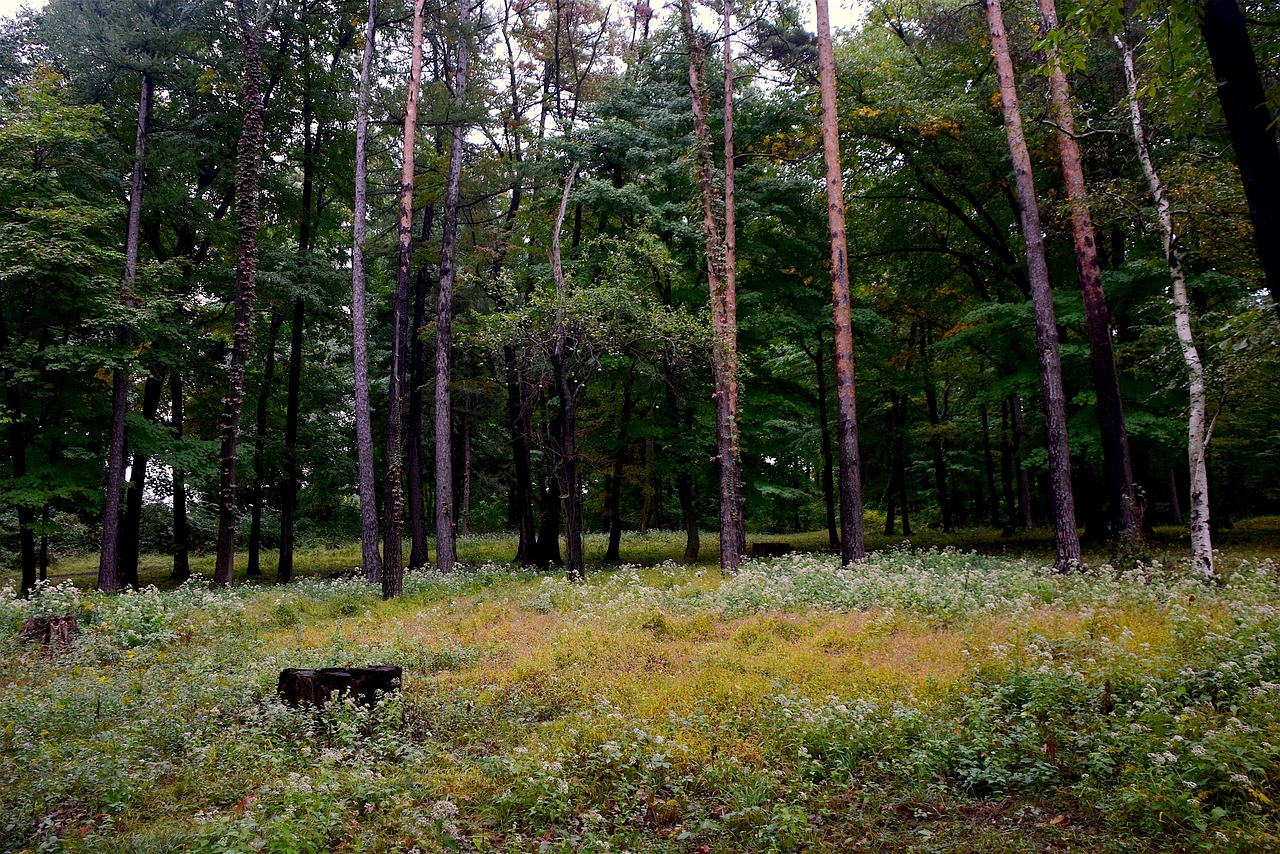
(289, 496)
(684, 477)
(724, 322)
(1249, 121)
(109, 561)
(1066, 537)
(652, 495)
(417, 502)
(253, 567)
(1175, 498)
(613, 493)
(18, 455)
(852, 547)
(520, 419)
(1198, 427)
(359, 324)
(1126, 529)
(900, 463)
(130, 533)
(393, 500)
(935, 441)
(246, 187)
(570, 493)
(1006, 470)
(446, 545)
(181, 536)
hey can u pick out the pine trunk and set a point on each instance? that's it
(246, 190)
(446, 532)
(393, 501)
(1066, 536)
(570, 493)
(1126, 530)
(109, 561)
(359, 323)
(1198, 427)
(852, 547)
(415, 481)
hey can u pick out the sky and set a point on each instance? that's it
(844, 13)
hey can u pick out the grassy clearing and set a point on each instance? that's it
(930, 700)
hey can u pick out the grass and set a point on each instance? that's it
(928, 700)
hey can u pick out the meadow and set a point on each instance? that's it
(932, 698)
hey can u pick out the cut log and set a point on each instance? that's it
(54, 630)
(771, 549)
(314, 687)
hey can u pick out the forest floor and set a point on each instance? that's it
(930, 699)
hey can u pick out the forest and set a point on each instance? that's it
(646, 381)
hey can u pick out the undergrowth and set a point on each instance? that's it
(931, 700)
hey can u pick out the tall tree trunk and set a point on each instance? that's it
(900, 462)
(723, 309)
(446, 534)
(852, 547)
(1006, 470)
(393, 507)
(652, 489)
(1066, 537)
(253, 566)
(1126, 529)
(683, 476)
(1175, 499)
(247, 156)
(935, 441)
(1199, 428)
(289, 492)
(414, 487)
(130, 532)
(109, 561)
(181, 535)
(359, 323)
(613, 492)
(575, 566)
(731, 285)
(1249, 121)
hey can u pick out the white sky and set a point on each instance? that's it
(844, 13)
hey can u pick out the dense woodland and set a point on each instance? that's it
(298, 272)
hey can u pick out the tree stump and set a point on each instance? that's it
(766, 549)
(53, 630)
(314, 687)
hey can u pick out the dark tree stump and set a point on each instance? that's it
(765, 549)
(315, 687)
(53, 630)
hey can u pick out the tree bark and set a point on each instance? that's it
(253, 567)
(1126, 529)
(724, 321)
(570, 493)
(1198, 426)
(289, 491)
(446, 533)
(181, 535)
(109, 560)
(246, 189)
(130, 533)
(393, 500)
(359, 323)
(1066, 536)
(414, 487)
(1249, 122)
(852, 547)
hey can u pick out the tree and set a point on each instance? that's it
(1126, 529)
(248, 154)
(359, 324)
(1066, 536)
(851, 534)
